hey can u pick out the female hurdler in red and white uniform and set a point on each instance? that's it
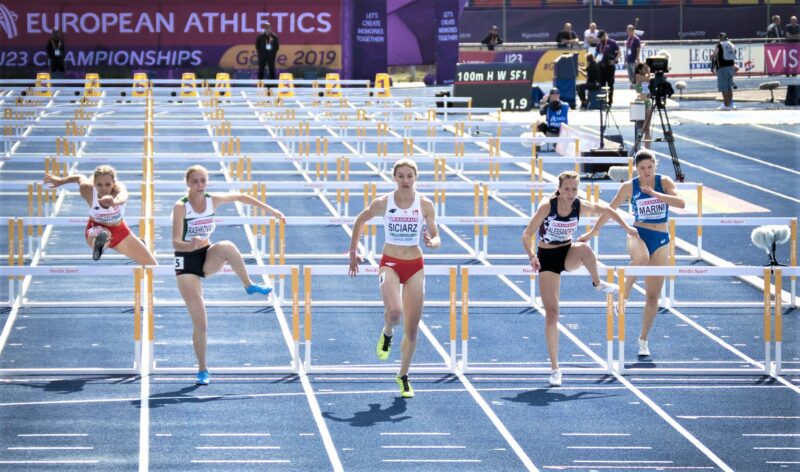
(407, 215)
(106, 228)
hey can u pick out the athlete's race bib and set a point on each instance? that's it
(651, 209)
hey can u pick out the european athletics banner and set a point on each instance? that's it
(163, 35)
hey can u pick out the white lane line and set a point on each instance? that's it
(52, 435)
(50, 448)
(626, 462)
(465, 461)
(423, 447)
(775, 130)
(595, 434)
(216, 435)
(163, 435)
(736, 417)
(630, 467)
(770, 435)
(609, 447)
(240, 461)
(212, 448)
(424, 433)
(781, 462)
(144, 401)
(49, 462)
(777, 448)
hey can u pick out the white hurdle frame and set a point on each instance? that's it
(141, 309)
(526, 271)
(778, 274)
(449, 365)
(692, 271)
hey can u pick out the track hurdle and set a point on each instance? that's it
(778, 274)
(292, 368)
(142, 283)
(447, 367)
(695, 271)
(524, 271)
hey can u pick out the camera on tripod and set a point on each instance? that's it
(660, 87)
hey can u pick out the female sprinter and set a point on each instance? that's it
(651, 196)
(641, 83)
(106, 199)
(556, 222)
(196, 258)
(407, 215)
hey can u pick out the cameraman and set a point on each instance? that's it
(723, 63)
(592, 80)
(556, 114)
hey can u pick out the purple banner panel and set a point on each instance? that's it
(370, 39)
(446, 41)
(782, 58)
(412, 32)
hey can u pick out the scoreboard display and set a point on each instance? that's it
(505, 86)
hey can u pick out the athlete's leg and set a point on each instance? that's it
(581, 253)
(549, 286)
(191, 288)
(226, 252)
(392, 302)
(637, 249)
(413, 299)
(134, 248)
(653, 287)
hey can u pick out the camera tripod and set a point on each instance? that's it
(666, 129)
(606, 117)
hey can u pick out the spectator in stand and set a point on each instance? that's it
(633, 46)
(775, 30)
(608, 53)
(567, 38)
(56, 52)
(492, 39)
(723, 63)
(592, 80)
(793, 31)
(590, 36)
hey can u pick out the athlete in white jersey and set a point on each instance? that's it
(651, 195)
(106, 198)
(556, 222)
(407, 218)
(196, 258)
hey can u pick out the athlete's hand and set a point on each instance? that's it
(430, 242)
(277, 214)
(585, 237)
(52, 181)
(632, 232)
(355, 260)
(198, 243)
(535, 265)
(106, 201)
(647, 189)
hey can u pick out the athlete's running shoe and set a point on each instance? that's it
(406, 390)
(203, 378)
(256, 288)
(606, 287)
(384, 346)
(555, 378)
(99, 244)
(644, 349)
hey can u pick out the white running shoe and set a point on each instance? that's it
(644, 349)
(606, 287)
(555, 378)
(723, 107)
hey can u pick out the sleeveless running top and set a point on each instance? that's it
(647, 208)
(107, 216)
(196, 224)
(402, 226)
(557, 229)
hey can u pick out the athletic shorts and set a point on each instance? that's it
(404, 268)
(653, 239)
(118, 232)
(191, 262)
(552, 259)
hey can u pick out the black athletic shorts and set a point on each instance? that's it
(552, 259)
(191, 262)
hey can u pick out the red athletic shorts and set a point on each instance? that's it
(118, 232)
(404, 268)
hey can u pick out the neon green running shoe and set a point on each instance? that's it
(406, 390)
(384, 346)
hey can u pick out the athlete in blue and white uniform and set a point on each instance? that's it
(651, 195)
(196, 258)
(556, 222)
